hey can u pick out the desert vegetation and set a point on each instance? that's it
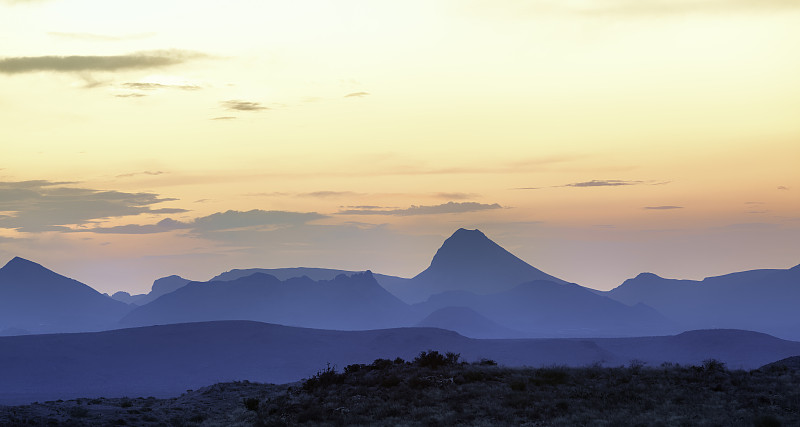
(441, 389)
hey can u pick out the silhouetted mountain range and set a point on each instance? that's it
(760, 300)
(167, 360)
(469, 261)
(547, 309)
(387, 282)
(467, 322)
(472, 286)
(346, 302)
(34, 299)
(160, 287)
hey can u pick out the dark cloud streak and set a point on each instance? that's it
(662, 208)
(50, 206)
(238, 105)
(76, 63)
(446, 208)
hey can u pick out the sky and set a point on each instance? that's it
(594, 139)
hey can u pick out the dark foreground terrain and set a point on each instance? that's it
(437, 389)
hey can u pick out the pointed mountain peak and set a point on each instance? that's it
(22, 264)
(463, 235)
(470, 261)
(464, 242)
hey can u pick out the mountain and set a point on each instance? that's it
(467, 322)
(36, 300)
(169, 359)
(346, 302)
(469, 261)
(384, 280)
(547, 309)
(790, 363)
(160, 287)
(759, 300)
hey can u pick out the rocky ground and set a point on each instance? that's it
(439, 389)
(221, 404)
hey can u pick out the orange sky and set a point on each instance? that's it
(595, 139)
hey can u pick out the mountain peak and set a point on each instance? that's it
(470, 261)
(19, 264)
(643, 276)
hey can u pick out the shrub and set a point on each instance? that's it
(517, 385)
(713, 365)
(433, 359)
(323, 378)
(78, 412)
(251, 403)
(382, 364)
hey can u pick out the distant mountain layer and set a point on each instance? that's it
(762, 300)
(387, 282)
(547, 309)
(167, 360)
(34, 299)
(346, 302)
(467, 322)
(160, 287)
(469, 261)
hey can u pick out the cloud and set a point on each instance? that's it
(366, 207)
(324, 194)
(72, 64)
(223, 118)
(40, 205)
(238, 105)
(220, 222)
(599, 183)
(130, 95)
(446, 208)
(457, 196)
(237, 219)
(162, 226)
(602, 183)
(781, 187)
(662, 208)
(126, 175)
(99, 37)
(154, 86)
(356, 95)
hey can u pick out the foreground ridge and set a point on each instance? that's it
(439, 389)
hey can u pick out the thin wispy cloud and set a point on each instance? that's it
(35, 206)
(456, 196)
(599, 183)
(662, 208)
(356, 95)
(782, 187)
(223, 118)
(152, 173)
(220, 222)
(77, 63)
(603, 183)
(99, 37)
(238, 105)
(325, 194)
(155, 86)
(446, 208)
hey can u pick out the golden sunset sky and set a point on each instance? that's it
(594, 139)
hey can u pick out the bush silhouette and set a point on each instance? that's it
(433, 359)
